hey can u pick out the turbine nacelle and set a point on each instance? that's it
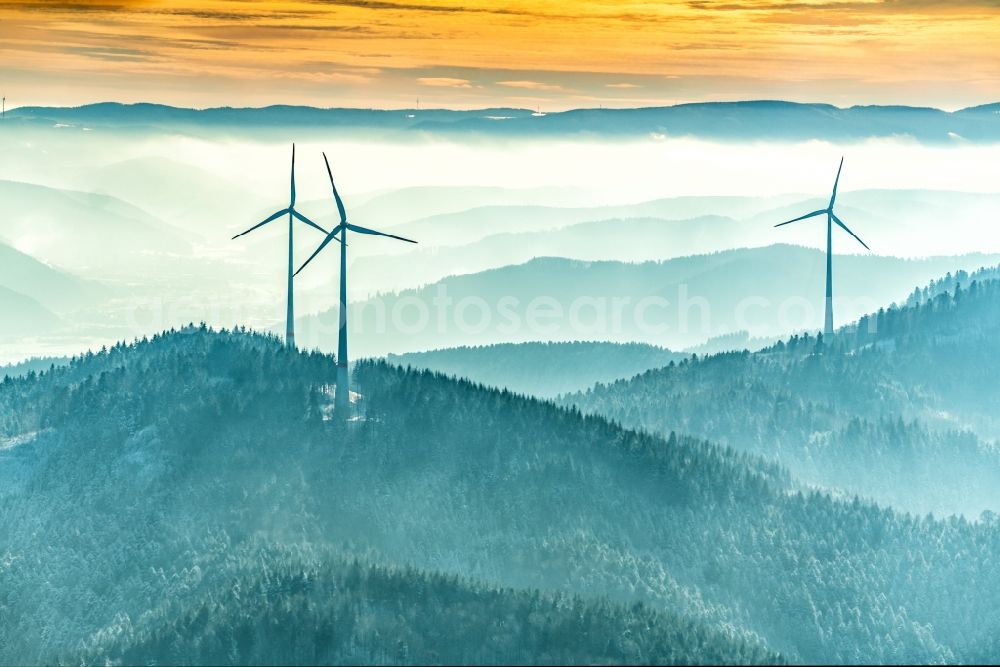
(344, 225)
(292, 216)
(831, 219)
(285, 211)
(828, 211)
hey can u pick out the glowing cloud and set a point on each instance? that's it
(444, 82)
(385, 52)
(530, 85)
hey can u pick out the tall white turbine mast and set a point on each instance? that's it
(342, 403)
(831, 218)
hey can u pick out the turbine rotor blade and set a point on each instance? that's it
(365, 230)
(336, 195)
(803, 217)
(307, 221)
(329, 237)
(836, 183)
(292, 203)
(844, 227)
(261, 224)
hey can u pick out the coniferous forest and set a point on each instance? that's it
(900, 407)
(459, 332)
(186, 499)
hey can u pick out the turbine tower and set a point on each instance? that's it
(342, 403)
(292, 213)
(831, 218)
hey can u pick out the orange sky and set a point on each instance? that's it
(551, 54)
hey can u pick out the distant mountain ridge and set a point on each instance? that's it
(22, 315)
(542, 369)
(492, 236)
(762, 119)
(690, 300)
(899, 407)
(80, 230)
(51, 287)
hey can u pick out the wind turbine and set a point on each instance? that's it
(831, 218)
(292, 213)
(342, 399)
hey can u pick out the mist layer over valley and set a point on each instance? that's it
(591, 418)
(131, 225)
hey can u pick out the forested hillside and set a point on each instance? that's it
(541, 369)
(34, 364)
(138, 485)
(900, 407)
(300, 606)
(950, 282)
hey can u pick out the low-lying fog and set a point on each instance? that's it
(132, 230)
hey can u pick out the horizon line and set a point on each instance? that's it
(748, 101)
